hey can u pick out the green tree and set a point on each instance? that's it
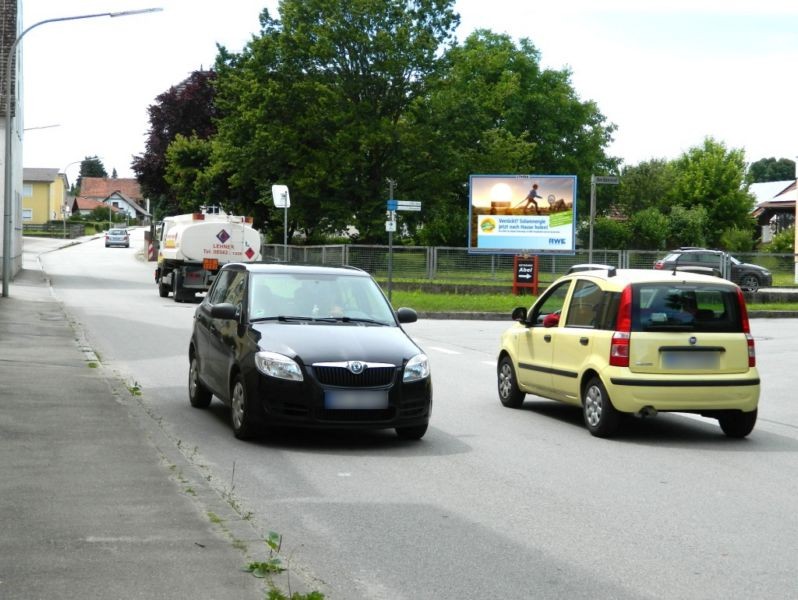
(771, 169)
(783, 242)
(186, 109)
(610, 234)
(648, 229)
(687, 226)
(713, 177)
(319, 103)
(493, 109)
(649, 184)
(90, 166)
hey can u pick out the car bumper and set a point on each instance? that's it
(634, 393)
(280, 402)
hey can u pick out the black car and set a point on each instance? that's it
(290, 345)
(749, 277)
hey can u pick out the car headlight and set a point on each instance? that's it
(416, 368)
(277, 365)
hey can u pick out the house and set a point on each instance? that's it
(44, 196)
(774, 210)
(121, 194)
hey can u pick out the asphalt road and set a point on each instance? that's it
(493, 502)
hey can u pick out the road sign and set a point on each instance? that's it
(392, 204)
(605, 179)
(390, 226)
(408, 205)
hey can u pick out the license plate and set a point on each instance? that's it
(355, 399)
(691, 360)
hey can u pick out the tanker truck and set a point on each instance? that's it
(193, 247)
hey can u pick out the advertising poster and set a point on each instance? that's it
(529, 214)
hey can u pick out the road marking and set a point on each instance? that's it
(443, 350)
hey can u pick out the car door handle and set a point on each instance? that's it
(584, 341)
(547, 338)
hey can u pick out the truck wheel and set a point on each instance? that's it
(163, 289)
(177, 285)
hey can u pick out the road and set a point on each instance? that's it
(493, 502)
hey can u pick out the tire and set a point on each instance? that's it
(736, 423)
(241, 410)
(412, 433)
(509, 394)
(198, 395)
(163, 289)
(601, 417)
(177, 286)
(749, 282)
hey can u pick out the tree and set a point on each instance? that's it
(493, 109)
(770, 169)
(714, 177)
(186, 109)
(687, 226)
(648, 229)
(90, 166)
(649, 184)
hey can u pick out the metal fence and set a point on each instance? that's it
(457, 265)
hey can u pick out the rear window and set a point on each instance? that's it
(702, 307)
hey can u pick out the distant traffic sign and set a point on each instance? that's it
(408, 205)
(392, 204)
(605, 179)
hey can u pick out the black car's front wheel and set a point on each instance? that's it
(198, 394)
(241, 410)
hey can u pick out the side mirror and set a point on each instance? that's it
(225, 310)
(519, 314)
(406, 315)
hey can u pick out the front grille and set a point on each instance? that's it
(357, 416)
(340, 376)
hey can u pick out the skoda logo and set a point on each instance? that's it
(356, 367)
(693, 341)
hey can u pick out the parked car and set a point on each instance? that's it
(307, 346)
(117, 237)
(748, 276)
(635, 342)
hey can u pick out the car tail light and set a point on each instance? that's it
(619, 347)
(746, 325)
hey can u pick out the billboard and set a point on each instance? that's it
(522, 214)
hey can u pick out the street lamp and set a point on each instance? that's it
(8, 152)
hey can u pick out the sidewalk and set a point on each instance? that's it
(95, 501)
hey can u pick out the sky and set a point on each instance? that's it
(667, 73)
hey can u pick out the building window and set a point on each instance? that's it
(27, 190)
(27, 214)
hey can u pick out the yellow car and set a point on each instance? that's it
(635, 342)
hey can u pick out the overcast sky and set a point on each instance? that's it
(667, 73)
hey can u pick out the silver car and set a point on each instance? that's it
(117, 237)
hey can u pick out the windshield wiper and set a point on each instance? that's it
(287, 318)
(361, 320)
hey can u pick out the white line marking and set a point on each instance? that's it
(444, 350)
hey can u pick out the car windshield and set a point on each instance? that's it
(667, 307)
(318, 297)
(117, 231)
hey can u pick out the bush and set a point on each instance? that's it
(783, 242)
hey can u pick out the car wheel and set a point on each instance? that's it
(749, 282)
(736, 423)
(240, 410)
(412, 433)
(601, 417)
(198, 394)
(509, 394)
